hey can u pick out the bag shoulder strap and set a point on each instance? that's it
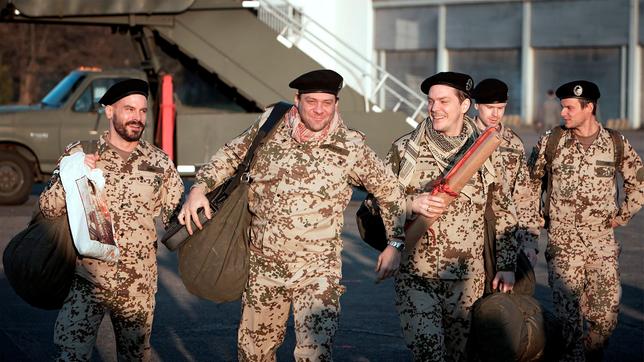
(549, 155)
(618, 147)
(551, 146)
(279, 109)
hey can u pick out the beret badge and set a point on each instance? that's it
(578, 90)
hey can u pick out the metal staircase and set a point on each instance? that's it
(380, 89)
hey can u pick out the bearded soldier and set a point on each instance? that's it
(140, 183)
(443, 275)
(301, 184)
(580, 161)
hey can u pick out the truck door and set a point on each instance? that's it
(87, 119)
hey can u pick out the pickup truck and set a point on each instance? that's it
(33, 137)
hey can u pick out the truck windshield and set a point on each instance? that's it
(61, 92)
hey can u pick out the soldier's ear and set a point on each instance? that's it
(109, 112)
(296, 99)
(465, 106)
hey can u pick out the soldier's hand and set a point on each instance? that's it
(614, 223)
(91, 159)
(388, 263)
(504, 281)
(428, 205)
(196, 200)
(532, 256)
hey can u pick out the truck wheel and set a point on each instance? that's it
(16, 178)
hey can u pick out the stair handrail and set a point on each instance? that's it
(413, 100)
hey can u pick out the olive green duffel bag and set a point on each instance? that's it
(214, 261)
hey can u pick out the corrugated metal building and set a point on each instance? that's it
(533, 45)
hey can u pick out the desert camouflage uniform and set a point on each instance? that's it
(440, 280)
(136, 190)
(515, 174)
(582, 252)
(297, 197)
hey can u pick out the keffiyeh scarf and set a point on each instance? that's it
(301, 133)
(445, 150)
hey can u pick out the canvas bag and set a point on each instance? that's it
(508, 327)
(214, 261)
(40, 261)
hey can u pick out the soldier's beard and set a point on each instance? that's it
(129, 136)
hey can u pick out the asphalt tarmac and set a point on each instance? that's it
(189, 329)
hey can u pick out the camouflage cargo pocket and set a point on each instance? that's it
(565, 176)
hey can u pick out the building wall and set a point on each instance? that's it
(568, 40)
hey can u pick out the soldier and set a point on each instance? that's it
(491, 97)
(443, 275)
(548, 115)
(301, 184)
(140, 183)
(582, 253)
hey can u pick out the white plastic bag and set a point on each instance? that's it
(89, 219)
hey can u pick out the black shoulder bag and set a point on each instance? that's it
(40, 261)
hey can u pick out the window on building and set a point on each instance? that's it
(554, 67)
(503, 64)
(410, 67)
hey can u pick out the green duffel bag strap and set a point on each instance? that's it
(242, 173)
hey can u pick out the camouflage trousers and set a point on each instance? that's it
(584, 276)
(80, 318)
(312, 289)
(435, 315)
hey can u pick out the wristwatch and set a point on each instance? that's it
(399, 245)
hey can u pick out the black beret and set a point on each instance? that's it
(323, 81)
(123, 89)
(490, 91)
(579, 89)
(460, 81)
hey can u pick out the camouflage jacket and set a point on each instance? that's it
(511, 160)
(457, 252)
(136, 191)
(583, 195)
(299, 191)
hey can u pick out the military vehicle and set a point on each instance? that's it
(235, 45)
(33, 137)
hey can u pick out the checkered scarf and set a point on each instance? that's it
(446, 150)
(301, 133)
